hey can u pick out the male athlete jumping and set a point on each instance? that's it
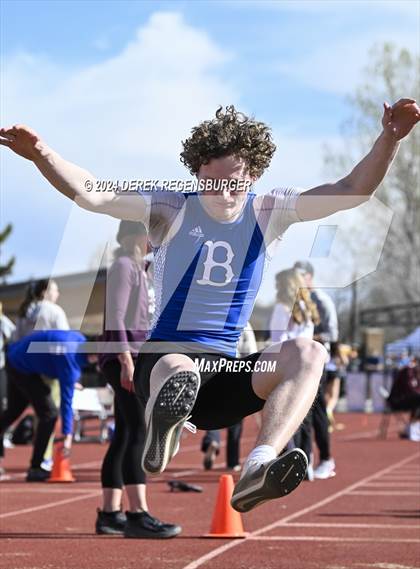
(211, 248)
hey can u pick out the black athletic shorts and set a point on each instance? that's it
(225, 397)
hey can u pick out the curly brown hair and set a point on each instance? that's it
(230, 133)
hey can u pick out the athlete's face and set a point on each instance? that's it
(225, 203)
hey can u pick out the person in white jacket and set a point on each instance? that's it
(39, 310)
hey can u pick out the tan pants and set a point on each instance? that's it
(54, 385)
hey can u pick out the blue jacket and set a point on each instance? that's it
(53, 353)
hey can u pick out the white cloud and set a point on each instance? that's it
(123, 117)
(336, 67)
(410, 7)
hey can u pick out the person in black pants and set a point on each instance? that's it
(24, 390)
(321, 428)
(7, 329)
(210, 445)
(125, 326)
(58, 354)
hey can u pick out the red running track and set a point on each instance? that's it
(368, 516)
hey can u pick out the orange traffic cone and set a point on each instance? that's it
(227, 522)
(61, 471)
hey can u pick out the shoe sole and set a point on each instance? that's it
(279, 480)
(166, 412)
(149, 535)
(109, 531)
(330, 475)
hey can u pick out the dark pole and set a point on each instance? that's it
(354, 332)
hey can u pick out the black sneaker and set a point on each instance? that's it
(110, 523)
(271, 480)
(37, 475)
(167, 410)
(143, 525)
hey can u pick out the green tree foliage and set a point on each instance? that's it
(391, 74)
(6, 269)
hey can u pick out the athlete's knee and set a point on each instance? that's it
(169, 364)
(310, 352)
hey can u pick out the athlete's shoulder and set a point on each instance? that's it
(276, 210)
(161, 196)
(278, 196)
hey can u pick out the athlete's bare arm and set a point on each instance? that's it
(71, 180)
(360, 184)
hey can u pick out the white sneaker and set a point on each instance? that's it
(325, 469)
(310, 475)
(47, 464)
(7, 443)
(414, 431)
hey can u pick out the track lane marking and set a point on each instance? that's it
(51, 505)
(394, 484)
(383, 493)
(356, 526)
(333, 539)
(283, 521)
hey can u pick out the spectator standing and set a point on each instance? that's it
(126, 322)
(7, 329)
(210, 443)
(325, 332)
(40, 311)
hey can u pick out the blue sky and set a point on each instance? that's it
(115, 86)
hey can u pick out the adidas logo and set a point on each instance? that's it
(196, 232)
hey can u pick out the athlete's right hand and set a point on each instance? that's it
(22, 140)
(127, 371)
(67, 445)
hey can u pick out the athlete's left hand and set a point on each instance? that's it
(399, 120)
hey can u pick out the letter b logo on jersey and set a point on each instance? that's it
(210, 263)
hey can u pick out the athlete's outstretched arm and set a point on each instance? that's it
(74, 182)
(360, 184)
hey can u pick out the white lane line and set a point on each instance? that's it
(402, 479)
(383, 493)
(51, 505)
(394, 485)
(48, 489)
(334, 539)
(283, 521)
(356, 526)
